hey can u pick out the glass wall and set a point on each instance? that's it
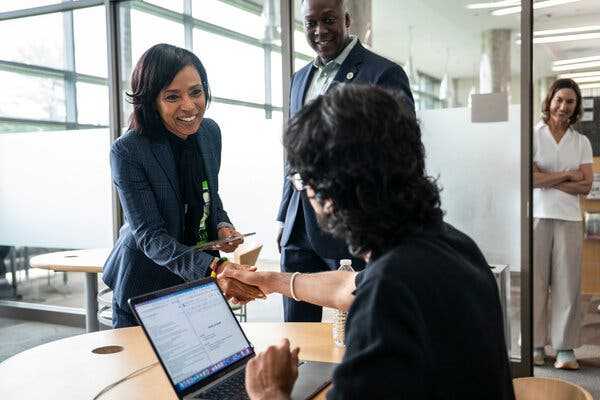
(54, 134)
(567, 45)
(247, 95)
(464, 68)
(54, 144)
(465, 72)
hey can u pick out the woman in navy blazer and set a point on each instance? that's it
(165, 169)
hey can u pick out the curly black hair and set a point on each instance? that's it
(360, 147)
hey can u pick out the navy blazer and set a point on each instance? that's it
(363, 67)
(148, 254)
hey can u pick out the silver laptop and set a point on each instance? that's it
(202, 347)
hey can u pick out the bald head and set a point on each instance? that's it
(326, 25)
(341, 3)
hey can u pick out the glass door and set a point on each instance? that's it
(470, 77)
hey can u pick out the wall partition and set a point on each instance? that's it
(469, 66)
(56, 128)
(470, 77)
(54, 139)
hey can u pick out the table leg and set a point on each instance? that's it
(13, 270)
(91, 302)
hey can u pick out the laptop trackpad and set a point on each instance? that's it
(313, 376)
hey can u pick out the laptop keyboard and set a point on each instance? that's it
(232, 388)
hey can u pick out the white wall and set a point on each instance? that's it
(55, 189)
(479, 170)
(251, 177)
(55, 186)
(463, 87)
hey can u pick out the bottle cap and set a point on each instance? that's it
(346, 265)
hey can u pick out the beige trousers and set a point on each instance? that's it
(556, 266)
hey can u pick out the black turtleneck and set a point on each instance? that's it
(190, 174)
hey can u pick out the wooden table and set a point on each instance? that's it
(69, 369)
(88, 261)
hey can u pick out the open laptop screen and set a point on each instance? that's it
(194, 333)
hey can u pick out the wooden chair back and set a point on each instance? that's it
(247, 253)
(534, 388)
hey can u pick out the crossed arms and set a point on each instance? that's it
(573, 182)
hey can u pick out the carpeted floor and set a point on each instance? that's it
(588, 355)
(17, 335)
(587, 377)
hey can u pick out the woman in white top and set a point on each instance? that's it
(562, 171)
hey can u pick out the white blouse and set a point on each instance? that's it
(573, 150)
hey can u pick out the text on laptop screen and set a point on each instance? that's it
(194, 333)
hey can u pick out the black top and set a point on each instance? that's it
(426, 324)
(190, 174)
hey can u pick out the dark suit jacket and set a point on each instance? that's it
(148, 254)
(361, 66)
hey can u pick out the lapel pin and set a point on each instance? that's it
(349, 76)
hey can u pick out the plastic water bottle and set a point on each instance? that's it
(339, 323)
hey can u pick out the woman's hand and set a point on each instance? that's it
(232, 288)
(227, 232)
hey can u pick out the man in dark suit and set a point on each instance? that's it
(340, 59)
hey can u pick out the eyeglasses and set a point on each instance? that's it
(299, 185)
(297, 182)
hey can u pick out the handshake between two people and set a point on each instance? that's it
(236, 291)
(236, 282)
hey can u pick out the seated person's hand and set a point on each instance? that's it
(272, 373)
(225, 233)
(250, 277)
(234, 289)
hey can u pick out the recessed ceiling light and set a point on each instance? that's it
(565, 38)
(588, 79)
(494, 4)
(580, 74)
(567, 30)
(537, 5)
(570, 67)
(561, 31)
(576, 60)
(590, 86)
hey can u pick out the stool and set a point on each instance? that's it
(534, 388)
(105, 307)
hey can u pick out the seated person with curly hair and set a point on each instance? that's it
(424, 320)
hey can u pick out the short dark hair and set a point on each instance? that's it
(154, 71)
(555, 87)
(360, 147)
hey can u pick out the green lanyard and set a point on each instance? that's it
(202, 228)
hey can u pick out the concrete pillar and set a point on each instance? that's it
(361, 16)
(494, 72)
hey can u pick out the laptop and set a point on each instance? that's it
(202, 347)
